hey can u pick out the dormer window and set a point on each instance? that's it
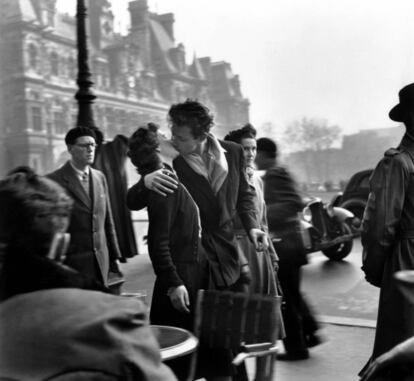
(48, 17)
(54, 64)
(107, 28)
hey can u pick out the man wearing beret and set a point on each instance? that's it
(93, 248)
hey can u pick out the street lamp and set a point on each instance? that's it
(84, 95)
(85, 98)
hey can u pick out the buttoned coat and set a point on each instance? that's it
(91, 226)
(388, 241)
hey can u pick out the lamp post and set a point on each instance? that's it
(85, 98)
(84, 95)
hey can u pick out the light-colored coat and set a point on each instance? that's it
(91, 227)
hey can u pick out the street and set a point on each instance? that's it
(338, 290)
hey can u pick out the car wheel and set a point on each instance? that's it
(341, 250)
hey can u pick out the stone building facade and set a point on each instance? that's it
(136, 78)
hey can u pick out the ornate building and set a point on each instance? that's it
(136, 78)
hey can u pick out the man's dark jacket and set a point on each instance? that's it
(92, 231)
(388, 240)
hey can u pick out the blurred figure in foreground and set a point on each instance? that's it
(395, 365)
(388, 230)
(35, 215)
(51, 328)
(283, 205)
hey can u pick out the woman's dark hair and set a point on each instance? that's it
(246, 132)
(192, 114)
(143, 146)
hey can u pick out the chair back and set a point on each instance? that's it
(227, 319)
(241, 322)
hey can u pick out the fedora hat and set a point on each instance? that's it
(406, 95)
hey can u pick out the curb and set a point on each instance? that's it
(353, 322)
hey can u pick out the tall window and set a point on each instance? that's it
(33, 56)
(36, 118)
(54, 63)
(60, 123)
(71, 68)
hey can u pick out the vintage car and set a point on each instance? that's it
(328, 228)
(355, 194)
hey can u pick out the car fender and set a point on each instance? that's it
(342, 214)
(353, 202)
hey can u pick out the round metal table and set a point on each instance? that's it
(174, 342)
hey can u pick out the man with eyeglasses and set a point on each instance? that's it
(93, 248)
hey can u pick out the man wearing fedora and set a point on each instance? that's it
(388, 230)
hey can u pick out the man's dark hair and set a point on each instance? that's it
(246, 132)
(192, 114)
(267, 146)
(77, 132)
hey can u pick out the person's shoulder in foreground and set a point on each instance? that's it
(78, 330)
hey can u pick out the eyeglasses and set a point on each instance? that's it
(86, 145)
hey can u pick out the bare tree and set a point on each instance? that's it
(311, 137)
(311, 134)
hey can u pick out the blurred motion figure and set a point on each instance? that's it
(283, 205)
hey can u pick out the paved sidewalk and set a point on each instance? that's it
(339, 358)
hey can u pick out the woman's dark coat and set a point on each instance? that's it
(174, 249)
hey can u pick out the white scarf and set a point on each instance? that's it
(212, 164)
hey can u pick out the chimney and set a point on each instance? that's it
(139, 14)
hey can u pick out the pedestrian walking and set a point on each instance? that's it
(283, 205)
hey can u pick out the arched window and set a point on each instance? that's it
(33, 56)
(54, 63)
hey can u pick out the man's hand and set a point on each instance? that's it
(161, 181)
(259, 238)
(179, 298)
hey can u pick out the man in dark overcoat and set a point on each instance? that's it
(93, 249)
(388, 230)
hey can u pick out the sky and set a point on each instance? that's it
(341, 60)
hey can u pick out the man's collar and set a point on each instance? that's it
(78, 171)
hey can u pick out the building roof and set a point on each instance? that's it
(18, 10)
